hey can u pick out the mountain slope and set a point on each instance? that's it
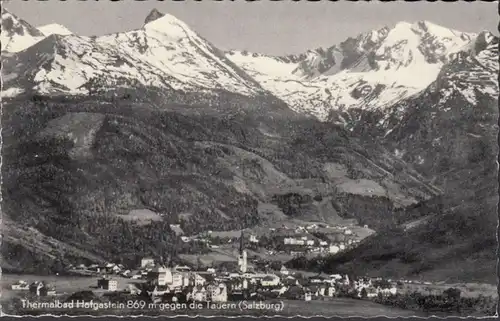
(54, 28)
(17, 34)
(164, 54)
(70, 164)
(371, 71)
(449, 132)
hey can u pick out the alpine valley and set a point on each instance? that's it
(391, 133)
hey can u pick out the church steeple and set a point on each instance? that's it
(242, 257)
(241, 243)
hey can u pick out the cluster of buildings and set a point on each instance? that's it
(302, 244)
(181, 283)
(36, 288)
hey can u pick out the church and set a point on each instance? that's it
(242, 257)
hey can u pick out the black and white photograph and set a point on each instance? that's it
(249, 158)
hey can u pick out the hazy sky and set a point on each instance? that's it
(264, 26)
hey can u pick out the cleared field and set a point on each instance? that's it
(343, 308)
(142, 216)
(333, 308)
(470, 290)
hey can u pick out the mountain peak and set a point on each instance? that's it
(153, 15)
(54, 28)
(169, 25)
(16, 33)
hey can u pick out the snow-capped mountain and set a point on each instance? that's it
(17, 34)
(54, 29)
(373, 70)
(370, 72)
(165, 53)
(452, 124)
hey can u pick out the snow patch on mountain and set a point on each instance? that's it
(54, 29)
(17, 34)
(372, 71)
(163, 54)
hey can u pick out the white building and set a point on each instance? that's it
(199, 294)
(270, 280)
(218, 293)
(182, 268)
(348, 232)
(147, 262)
(160, 275)
(334, 249)
(198, 279)
(327, 291)
(336, 277)
(310, 242)
(179, 280)
(284, 270)
(253, 239)
(20, 285)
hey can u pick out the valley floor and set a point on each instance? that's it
(341, 307)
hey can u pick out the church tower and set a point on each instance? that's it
(242, 257)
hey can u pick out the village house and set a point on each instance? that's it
(270, 281)
(159, 290)
(280, 291)
(147, 262)
(253, 239)
(335, 277)
(133, 289)
(20, 285)
(179, 280)
(41, 289)
(327, 291)
(182, 268)
(314, 290)
(135, 275)
(323, 243)
(125, 273)
(333, 249)
(297, 253)
(290, 280)
(316, 279)
(160, 275)
(199, 293)
(218, 293)
(387, 291)
(312, 227)
(284, 270)
(310, 242)
(94, 268)
(107, 284)
(198, 279)
(238, 284)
